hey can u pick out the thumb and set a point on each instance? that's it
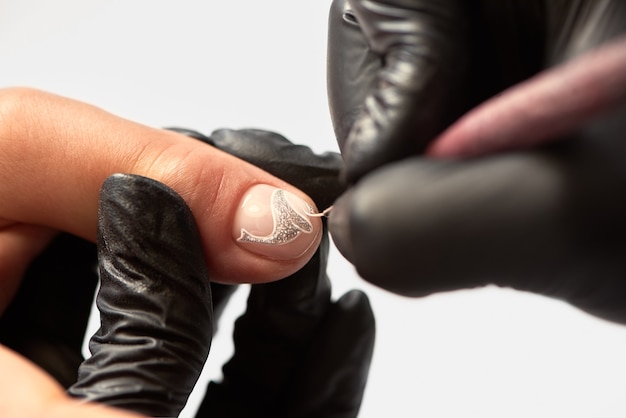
(57, 153)
(154, 301)
(27, 391)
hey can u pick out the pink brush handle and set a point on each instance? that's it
(543, 108)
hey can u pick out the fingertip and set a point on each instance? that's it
(231, 202)
(358, 302)
(275, 223)
(354, 314)
(271, 236)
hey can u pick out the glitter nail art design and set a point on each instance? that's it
(288, 223)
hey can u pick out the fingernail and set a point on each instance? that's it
(275, 223)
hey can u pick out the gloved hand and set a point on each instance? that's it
(547, 220)
(30, 325)
(401, 71)
(58, 288)
(297, 353)
(154, 302)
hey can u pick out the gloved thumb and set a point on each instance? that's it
(154, 301)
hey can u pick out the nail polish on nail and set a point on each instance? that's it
(275, 223)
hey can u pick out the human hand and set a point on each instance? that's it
(154, 302)
(546, 220)
(59, 285)
(297, 353)
(56, 153)
(58, 350)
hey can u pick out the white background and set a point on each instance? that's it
(249, 63)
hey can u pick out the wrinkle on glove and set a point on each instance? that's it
(154, 301)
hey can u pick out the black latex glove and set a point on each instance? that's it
(297, 353)
(47, 319)
(400, 71)
(548, 221)
(71, 261)
(154, 301)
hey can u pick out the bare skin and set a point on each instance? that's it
(56, 152)
(32, 393)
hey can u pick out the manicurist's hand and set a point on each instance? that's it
(55, 153)
(451, 78)
(432, 206)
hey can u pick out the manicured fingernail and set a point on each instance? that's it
(275, 223)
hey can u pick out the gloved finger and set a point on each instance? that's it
(352, 68)
(154, 301)
(47, 318)
(334, 373)
(316, 175)
(271, 339)
(424, 47)
(548, 222)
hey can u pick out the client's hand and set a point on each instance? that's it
(55, 153)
